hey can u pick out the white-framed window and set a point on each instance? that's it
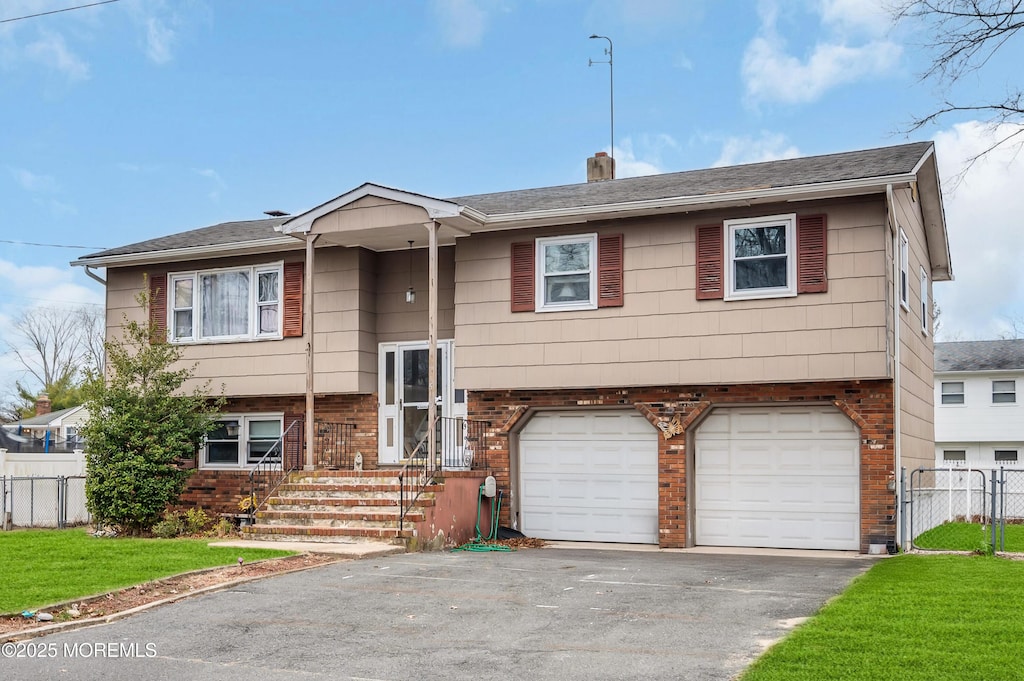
(952, 392)
(241, 440)
(236, 303)
(567, 273)
(924, 302)
(71, 436)
(761, 257)
(1006, 455)
(954, 455)
(1004, 392)
(904, 271)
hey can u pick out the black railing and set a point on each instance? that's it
(334, 448)
(273, 468)
(461, 445)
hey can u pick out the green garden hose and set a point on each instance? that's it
(479, 543)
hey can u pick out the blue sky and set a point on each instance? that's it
(145, 117)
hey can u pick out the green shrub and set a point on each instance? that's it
(196, 521)
(142, 425)
(170, 527)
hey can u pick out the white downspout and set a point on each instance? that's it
(897, 366)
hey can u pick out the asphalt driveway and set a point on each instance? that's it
(553, 613)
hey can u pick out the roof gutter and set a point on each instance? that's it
(276, 243)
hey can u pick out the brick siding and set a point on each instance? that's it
(869, 404)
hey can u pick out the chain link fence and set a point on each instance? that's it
(952, 509)
(43, 502)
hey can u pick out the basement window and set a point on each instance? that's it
(241, 440)
(1006, 456)
(954, 455)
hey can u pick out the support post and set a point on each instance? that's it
(432, 345)
(307, 311)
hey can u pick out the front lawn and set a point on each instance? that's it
(39, 567)
(911, 617)
(968, 537)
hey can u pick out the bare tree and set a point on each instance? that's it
(1016, 329)
(964, 35)
(55, 346)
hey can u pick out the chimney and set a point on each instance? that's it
(43, 404)
(600, 167)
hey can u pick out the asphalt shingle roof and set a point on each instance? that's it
(224, 233)
(993, 355)
(853, 165)
(44, 419)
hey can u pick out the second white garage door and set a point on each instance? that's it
(589, 476)
(778, 477)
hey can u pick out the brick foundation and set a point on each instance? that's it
(869, 404)
(218, 491)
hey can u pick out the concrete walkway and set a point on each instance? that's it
(363, 549)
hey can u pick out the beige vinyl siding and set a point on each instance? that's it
(663, 334)
(263, 367)
(916, 348)
(398, 321)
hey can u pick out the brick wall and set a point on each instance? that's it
(218, 491)
(869, 404)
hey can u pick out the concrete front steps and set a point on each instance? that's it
(339, 507)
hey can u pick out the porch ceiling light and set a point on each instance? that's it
(410, 294)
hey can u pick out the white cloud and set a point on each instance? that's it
(983, 212)
(771, 74)
(219, 184)
(160, 39)
(33, 182)
(23, 287)
(52, 51)
(463, 22)
(645, 158)
(770, 146)
(850, 16)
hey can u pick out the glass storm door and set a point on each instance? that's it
(405, 400)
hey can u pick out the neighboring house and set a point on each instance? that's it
(735, 356)
(47, 430)
(978, 419)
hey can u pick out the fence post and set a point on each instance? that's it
(62, 502)
(904, 509)
(993, 520)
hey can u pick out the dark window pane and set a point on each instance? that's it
(222, 452)
(755, 241)
(569, 288)
(760, 273)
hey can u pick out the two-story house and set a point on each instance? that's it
(978, 422)
(736, 356)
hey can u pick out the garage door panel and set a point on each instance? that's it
(592, 478)
(793, 487)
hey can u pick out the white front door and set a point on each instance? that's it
(403, 391)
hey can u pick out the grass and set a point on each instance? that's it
(40, 567)
(911, 617)
(969, 537)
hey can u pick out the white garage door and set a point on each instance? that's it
(589, 476)
(778, 477)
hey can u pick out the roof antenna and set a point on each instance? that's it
(276, 213)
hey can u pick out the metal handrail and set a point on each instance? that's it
(425, 478)
(275, 460)
(463, 445)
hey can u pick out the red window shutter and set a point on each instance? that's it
(710, 256)
(158, 307)
(609, 270)
(523, 282)
(292, 297)
(810, 254)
